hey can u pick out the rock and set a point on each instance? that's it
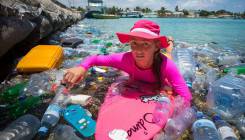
(31, 20)
(71, 42)
(9, 28)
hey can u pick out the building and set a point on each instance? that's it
(193, 14)
(131, 14)
(95, 6)
(178, 14)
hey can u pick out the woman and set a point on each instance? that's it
(144, 62)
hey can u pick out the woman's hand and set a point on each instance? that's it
(73, 76)
(171, 44)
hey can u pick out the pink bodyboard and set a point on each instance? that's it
(127, 116)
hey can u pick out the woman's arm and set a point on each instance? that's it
(113, 60)
(170, 47)
(171, 72)
(76, 74)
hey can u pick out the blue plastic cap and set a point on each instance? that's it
(200, 115)
(216, 118)
(43, 130)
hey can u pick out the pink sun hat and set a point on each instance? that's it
(144, 29)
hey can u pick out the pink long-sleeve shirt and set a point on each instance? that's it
(126, 62)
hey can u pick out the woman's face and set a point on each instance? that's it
(143, 51)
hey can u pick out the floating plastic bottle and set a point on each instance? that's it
(178, 124)
(198, 84)
(162, 110)
(52, 114)
(224, 129)
(21, 106)
(228, 60)
(185, 62)
(24, 128)
(179, 105)
(38, 84)
(240, 69)
(240, 123)
(79, 99)
(212, 75)
(227, 95)
(71, 63)
(11, 94)
(65, 132)
(204, 129)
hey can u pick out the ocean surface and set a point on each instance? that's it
(225, 33)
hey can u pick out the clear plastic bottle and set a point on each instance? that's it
(240, 123)
(177, 125)
(24, 128)
(162, 110)
(38, 85)
(228, 60)
(52, 114)
(65, 132)
(79, 99)
(179, 105)
(226, 96)
(204, 129)
(224, 129)
(186, 64)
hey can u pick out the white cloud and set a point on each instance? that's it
(197, 4)
(236, 5)
(154, 4)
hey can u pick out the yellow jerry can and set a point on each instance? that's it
(41, 58)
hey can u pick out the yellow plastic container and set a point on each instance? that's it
(41, 58)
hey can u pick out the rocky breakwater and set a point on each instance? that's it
(25, 22)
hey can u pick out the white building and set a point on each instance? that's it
(95, 5)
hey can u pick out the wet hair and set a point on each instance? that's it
(157, 64)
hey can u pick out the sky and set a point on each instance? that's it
(230, 5)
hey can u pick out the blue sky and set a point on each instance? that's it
(231, 5)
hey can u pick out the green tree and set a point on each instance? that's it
(146, 10)
(223, 12)
(127, 9)
(137, 8)
(243, 15)
(177, 8)
(186, 13)
(204, 13)
(161, 12)
(81, 9)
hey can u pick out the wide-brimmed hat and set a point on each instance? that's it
(144, 29)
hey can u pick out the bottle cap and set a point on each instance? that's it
(43, 130)
(200, 115)
(216, 118)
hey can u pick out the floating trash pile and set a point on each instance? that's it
(214, 75)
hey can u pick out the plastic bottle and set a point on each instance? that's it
(79, 99)
(65, 132)
(186, 64)
(21, 106)
(162, 110)
(224, 129)
(240, 69)
(11, 93)
(24, 128)
(177, 125)
(228, 60)
(240, 123)
(226, 96)
(179, 105)
(52, 114)
(211, 76)
(204, 129)
(38, 84)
